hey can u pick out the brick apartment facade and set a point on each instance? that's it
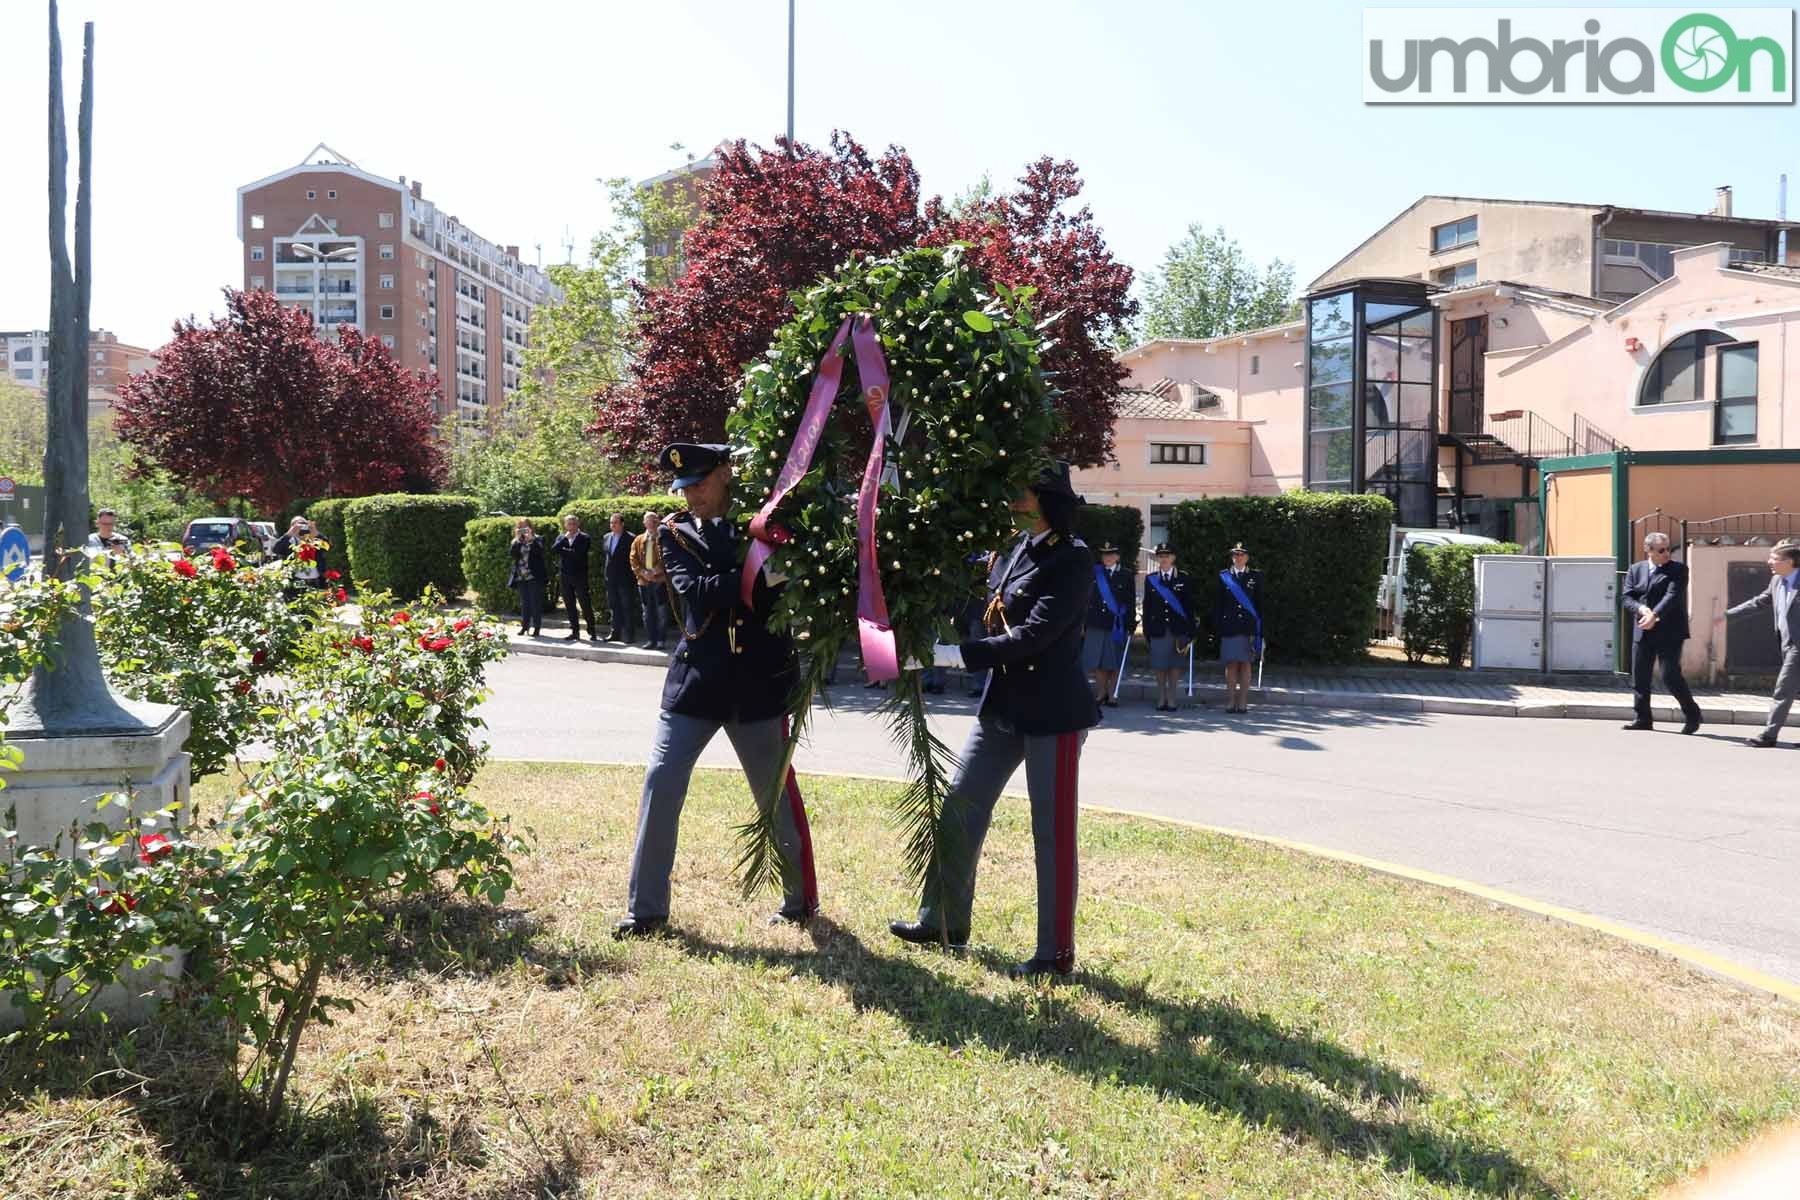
(109, 360)
(354, 248)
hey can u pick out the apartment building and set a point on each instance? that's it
(109, 359)
(355, 248)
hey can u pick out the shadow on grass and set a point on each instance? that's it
(443, 934)
(1206, 1053)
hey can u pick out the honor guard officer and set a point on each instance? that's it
(1168, 623)
(1037, 710)
(730, 672)
(1111, 618)
(1238, 621)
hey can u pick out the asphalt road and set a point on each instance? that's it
(1696, 839)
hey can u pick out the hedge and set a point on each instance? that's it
(487, 560)
(327, 517)
(1440, 599)
(1321, 554)
(402, 543)
(1120, 524)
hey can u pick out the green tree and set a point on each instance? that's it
(1207, 287)
(23, 427)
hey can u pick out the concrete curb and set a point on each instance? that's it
(1747, 979)
(1213, 695)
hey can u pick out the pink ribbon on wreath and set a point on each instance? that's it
(880, 657)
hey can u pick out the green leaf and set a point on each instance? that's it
(979, 321)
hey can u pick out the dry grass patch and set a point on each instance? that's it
(1249, 1022)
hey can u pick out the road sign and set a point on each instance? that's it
(15, 552)
(6, 485)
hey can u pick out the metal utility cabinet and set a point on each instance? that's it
(1536, 613)
(1509, 612)
(1582, 614)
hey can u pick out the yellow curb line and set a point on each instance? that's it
(1747, 978)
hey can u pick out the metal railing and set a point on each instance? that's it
(1591, 439)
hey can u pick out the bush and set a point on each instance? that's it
(486, 562)
(327, 517)
(1120, 524)
(596, 518)
(1440, 599)
(404, 544)
(1322, 556)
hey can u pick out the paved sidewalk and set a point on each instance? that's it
(1385, 689)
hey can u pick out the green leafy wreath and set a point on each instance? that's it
(971, 426)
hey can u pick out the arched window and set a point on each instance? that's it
(1676, 376)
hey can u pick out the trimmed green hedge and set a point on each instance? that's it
(596, 521)
(327, 517)
(1121, 524)
(487, 560)
(401, 543)
(1322, 555)
(1440, 599)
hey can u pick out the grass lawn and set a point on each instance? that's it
(1248, 1022)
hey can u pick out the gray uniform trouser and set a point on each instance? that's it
(677, 746)
(1787, 688)
(989, 758)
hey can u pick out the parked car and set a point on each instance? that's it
(233, 533)
(265, 533)
(1392, 602)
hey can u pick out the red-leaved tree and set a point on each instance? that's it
(772, 223)
(254, 404)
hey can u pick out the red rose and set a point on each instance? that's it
(400, 618)
(243, 687)
(185, 568)
(119, 905)
(332, 576)
(342, 596)
(153, 847)
(462, 624)
(440, 765)
(259, 658)
(223, 562)
(435, 644)
(365, 644)
(306, 553)
(428, 801)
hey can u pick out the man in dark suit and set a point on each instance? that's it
(1782, 598)
(621, 583)
(1656, 597)
(571, 550)
(729, 671)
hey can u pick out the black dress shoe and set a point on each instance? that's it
(1637, 725)
(574, 635)
(925, 935)
(1054, 969)
(1760, 743)
(1691, 725)
(797, 917)
(639, 927)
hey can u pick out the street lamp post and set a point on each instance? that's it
(321, 259)
(790, 127)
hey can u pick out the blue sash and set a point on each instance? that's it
(1112, 605)
(1162, 589)
(1237, 593)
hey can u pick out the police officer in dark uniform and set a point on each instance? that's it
(730, 672)
(1037, 710)
(1238, 622)
(1169, 623)
(1111, 618)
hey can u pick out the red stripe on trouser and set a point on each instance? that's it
(1068, 758)
(797, 806)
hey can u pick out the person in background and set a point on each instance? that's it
(311, 571)
(1782, 598)
(647, 566)
(528, 577)
(106, 538)
(1168, 623)
(1238, 620)
(621, 585)
(1111, 619)
(571, 550)
(1655, 594)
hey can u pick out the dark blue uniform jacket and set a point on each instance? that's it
(1038, 685)
(728, 666)
(1231, 619)
(1159, 618)
(1124, 590)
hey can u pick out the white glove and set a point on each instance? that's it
(945, 655)
(912, 664)
(771, 576)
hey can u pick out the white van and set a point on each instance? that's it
(1392, 603)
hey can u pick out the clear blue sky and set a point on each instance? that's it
(1242, 115)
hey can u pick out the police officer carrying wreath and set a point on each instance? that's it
(1111, 618)
(1037, 710)
(730, 672)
